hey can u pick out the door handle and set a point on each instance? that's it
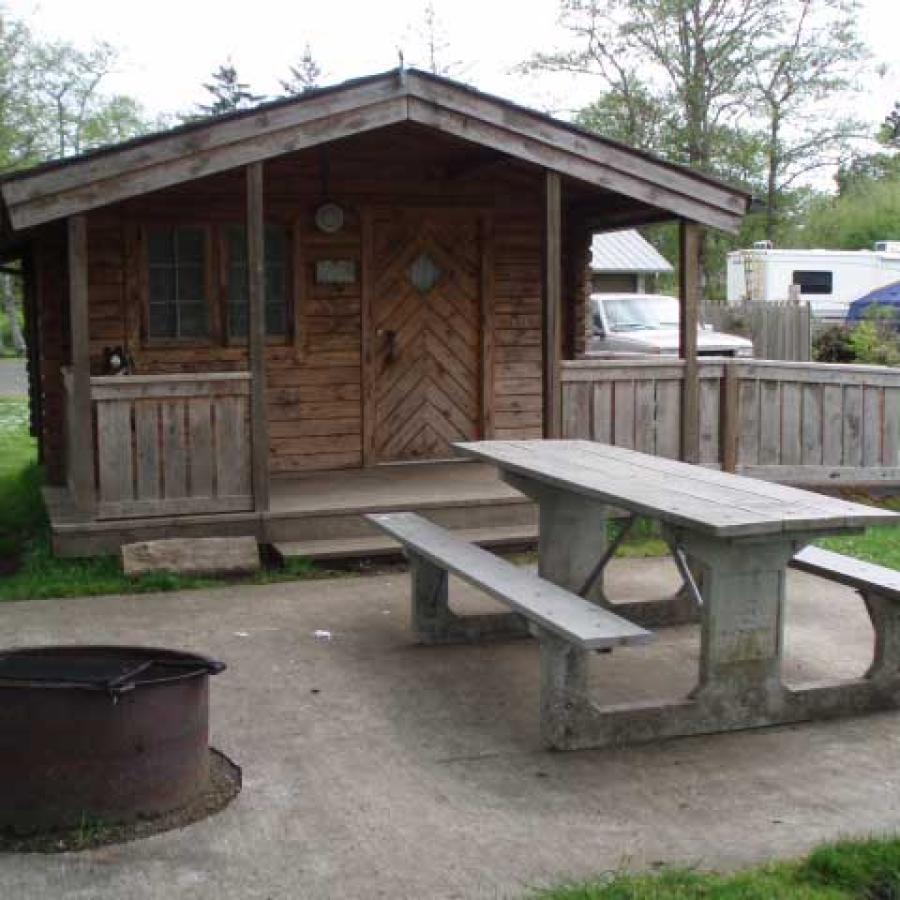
(390, 336)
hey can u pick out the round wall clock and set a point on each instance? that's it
(329, 218)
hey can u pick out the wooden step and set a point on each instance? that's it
(381, 545)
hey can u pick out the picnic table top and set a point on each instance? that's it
(706, 500)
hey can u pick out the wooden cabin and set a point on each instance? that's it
(310, 296)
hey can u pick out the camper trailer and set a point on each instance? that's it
(829, 280)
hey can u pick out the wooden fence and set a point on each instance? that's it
(172, 444)
(778, 330)
(813, 422)
(807, 423)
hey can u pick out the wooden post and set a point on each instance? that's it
(256, 278)
(552, 305)
(689, 321)
(81, 430)
(730, 417)
(487, 327)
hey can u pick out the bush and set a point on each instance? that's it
(834, 344)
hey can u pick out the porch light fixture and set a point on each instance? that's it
(329, 218)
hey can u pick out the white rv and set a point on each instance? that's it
(830, 280)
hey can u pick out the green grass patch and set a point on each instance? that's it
(851, 870)
(880, 544)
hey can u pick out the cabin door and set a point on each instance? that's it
(423, 334)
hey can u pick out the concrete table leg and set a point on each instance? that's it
(742, 637)
(573, 537)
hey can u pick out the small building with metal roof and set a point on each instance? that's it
(625, 261)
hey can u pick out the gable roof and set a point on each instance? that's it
(65, 187)
(624, 252)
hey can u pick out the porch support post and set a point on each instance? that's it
(80, 430)
(256, 278)
(552, 305)
(689, 320)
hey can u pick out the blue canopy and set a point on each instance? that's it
(887, 296)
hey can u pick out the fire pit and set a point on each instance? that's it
(100, 733)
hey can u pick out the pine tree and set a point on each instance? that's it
(304, 76)
(229, 93)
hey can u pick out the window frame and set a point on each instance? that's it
(215, 281)
(816, 291)
(211, 338)
(291, 323)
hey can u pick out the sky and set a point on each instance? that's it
(169, 47)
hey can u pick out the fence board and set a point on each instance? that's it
(872, 426)
(601, 418)
(891, 427)
(645, 416)
(832, 425)
(791, 398)
(668, 418)
(811, 425)
(623, 414)
(852, 424)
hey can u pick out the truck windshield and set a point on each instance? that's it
(638, 313)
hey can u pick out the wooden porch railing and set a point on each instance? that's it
(171, 444)
(808, 423)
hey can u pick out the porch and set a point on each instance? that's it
(313, 515)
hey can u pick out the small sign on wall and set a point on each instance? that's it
(336, 271)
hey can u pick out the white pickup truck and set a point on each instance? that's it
(629, 324)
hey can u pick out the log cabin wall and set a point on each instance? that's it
(315, 406)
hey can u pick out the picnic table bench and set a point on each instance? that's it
(739, 534)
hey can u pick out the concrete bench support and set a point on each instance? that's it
(433, 622)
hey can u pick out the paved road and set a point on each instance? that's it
(13, 382)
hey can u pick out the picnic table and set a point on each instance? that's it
(739, 535)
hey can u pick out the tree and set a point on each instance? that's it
(676, 71)
(304, 76)
(868, 212)
(890, 131)
(805, 63)
(70, 112)
(431, 45)
(681, 62)
(18, 135)
(228, 92)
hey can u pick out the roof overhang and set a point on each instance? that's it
(55, 191)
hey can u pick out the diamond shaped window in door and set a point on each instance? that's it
(424, 273)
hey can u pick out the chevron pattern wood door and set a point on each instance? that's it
(425, 335)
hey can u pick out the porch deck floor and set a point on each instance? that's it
(417, 485)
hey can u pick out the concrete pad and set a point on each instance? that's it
(377, 768)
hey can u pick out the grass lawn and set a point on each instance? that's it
(852, 870)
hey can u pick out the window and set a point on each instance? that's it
(178, 304)
(276, 282)
(813, 282)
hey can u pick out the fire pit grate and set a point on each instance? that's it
(110, 669)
